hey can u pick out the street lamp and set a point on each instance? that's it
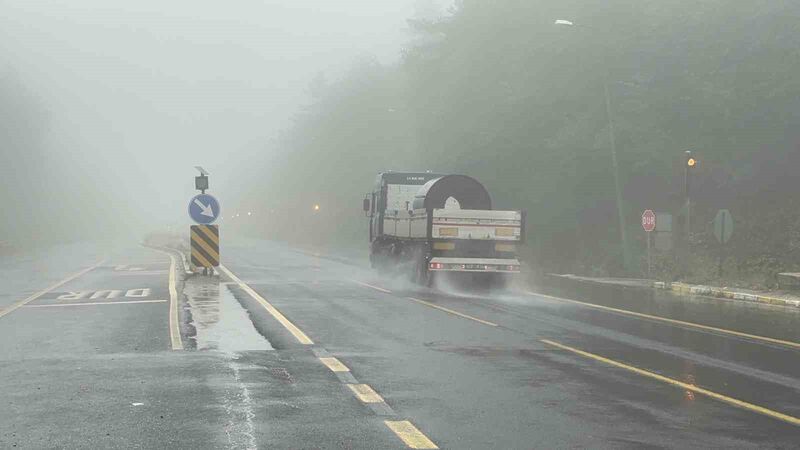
(626, 255)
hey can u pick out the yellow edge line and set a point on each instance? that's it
(365, 393)
(450, 311)
(125, 302)
(299, 335)
(334, 364)
(174, 322)
(689, 387)
(372, 287)
(676, 322)
(409, 434)
(33, 297)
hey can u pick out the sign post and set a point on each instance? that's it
(204, 210)
(723, 230)
(649, 224)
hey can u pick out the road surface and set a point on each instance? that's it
(288, 349)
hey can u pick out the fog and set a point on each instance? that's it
(108, 105)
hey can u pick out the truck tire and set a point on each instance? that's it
(423, 276)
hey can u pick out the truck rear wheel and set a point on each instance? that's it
(423, 276)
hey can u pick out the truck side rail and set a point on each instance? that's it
(477, 224)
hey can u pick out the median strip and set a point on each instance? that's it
(689, 387)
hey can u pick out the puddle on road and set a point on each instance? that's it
(221, 323)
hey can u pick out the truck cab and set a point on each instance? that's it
(392, 193)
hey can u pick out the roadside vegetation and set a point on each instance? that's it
(497, 91)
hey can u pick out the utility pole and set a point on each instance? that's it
(623, 235)
(626, 253)
(691, 163)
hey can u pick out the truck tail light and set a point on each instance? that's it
(436, 266)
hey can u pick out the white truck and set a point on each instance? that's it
(429, 225)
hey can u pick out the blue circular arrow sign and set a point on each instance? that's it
(204, 209)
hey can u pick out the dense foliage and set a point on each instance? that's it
(497, 91)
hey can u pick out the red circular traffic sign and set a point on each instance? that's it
(649, 220)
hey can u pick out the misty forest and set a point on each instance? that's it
(496, 90)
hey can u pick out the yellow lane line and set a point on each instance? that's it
(372, 287)
(432, 305)
(299, 335)
(450, 311)
(675, 322)
(365, 393)
(334, 364)
(689, 387)
(174, 321)
(124, 302)
(409, 434)
(13, 307)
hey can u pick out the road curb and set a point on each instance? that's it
(710, 291)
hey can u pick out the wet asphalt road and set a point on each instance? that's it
(506, 369)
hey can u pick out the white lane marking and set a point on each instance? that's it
(122, 302)
(105, 293)
(74, 295)
(33, 297)
(240, 429)
(372, 287)
(142, 292)
(127, 268)
(296, 332)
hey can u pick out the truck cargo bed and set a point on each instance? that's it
(455, 224)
